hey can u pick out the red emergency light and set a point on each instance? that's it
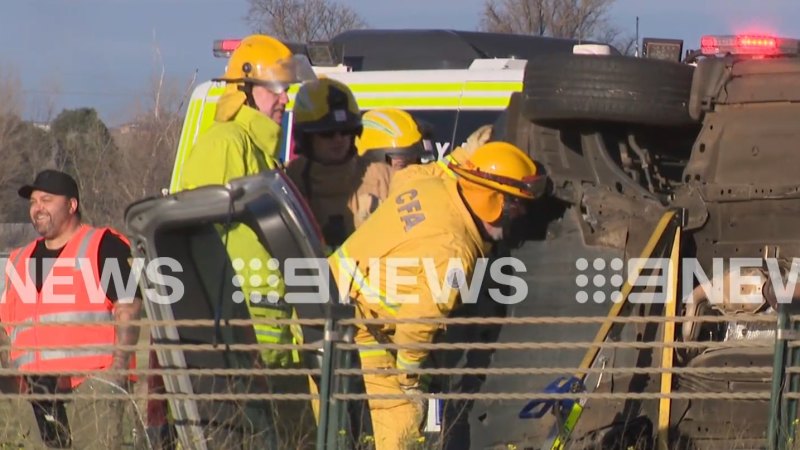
(224, 47)
(765, 43)
(752, 45)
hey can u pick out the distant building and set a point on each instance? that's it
(126, 128)
(42, 125)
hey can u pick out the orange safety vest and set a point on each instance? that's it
(90, 304)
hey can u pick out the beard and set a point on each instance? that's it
(43, 223)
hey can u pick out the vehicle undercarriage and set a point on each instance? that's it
(727, 163)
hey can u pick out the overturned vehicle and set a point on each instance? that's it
(692, 159)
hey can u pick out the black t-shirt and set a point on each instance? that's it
(111, 247)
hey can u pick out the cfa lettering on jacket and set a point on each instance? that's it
(410, 209)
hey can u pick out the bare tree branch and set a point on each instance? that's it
(160, 62)
(574, 19)
(148, 145)
(10, 92)
(302, 20)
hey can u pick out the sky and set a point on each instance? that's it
(102, 53)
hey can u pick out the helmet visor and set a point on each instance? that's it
(535, 185)
(279, 76)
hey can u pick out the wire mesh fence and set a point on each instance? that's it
(223, 397)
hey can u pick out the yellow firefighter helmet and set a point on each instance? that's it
(325, 105)
(264, 60)
(390, 133)
(495, 171)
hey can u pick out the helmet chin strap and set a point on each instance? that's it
(247, 88)
(505, 223)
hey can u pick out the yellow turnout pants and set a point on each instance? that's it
(395, 421)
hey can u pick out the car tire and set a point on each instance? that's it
(607, 88)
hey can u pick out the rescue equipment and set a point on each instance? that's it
(665, 238)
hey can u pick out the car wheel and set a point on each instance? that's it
(607, 88)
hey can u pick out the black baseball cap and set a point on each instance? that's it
(52, 181)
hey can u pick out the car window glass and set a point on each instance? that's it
(441, 123)
(469, 121)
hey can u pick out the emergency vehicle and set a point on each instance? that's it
(452, 81)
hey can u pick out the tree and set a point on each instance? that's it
(113, 168)
(150, 140)
(302, 20)
(150, 145)
(25, 148)
(572, 19)
(87, 151)
(10, 126)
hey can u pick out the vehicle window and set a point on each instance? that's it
(452, 128)
(441, 123)
(469, 121)
(499, 127)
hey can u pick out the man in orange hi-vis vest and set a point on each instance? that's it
(57, 279)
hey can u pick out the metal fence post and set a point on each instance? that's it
(791, 404)
(775, 427)
(335, 413)
(325, 384)
(341, 407)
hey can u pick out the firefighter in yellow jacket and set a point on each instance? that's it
(327, 121)
(409, 258)
(244, 141)
(391, 141)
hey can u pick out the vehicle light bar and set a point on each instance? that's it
(755, 45)
(224, 47)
